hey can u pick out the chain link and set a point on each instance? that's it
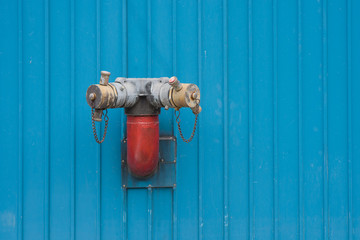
(106, 118)
(177, 115)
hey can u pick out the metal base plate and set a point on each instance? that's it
(165, 175)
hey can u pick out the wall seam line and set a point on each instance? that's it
(349, 120)
(46, 122)
(149, 73)
(200, 155)
(301, 227)
(125, 72)
(325, 121)
(149, 213)
(124, 38)
(251, 165)
(20, 186)
(149, 57)
(275, 123)
(125, 234)
(72, 122)
(174, 211)
(99, 147)
(174, 58)
(225, 126)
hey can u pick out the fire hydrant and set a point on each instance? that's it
(142, 99)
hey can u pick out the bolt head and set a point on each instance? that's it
(194, 95)
(92, 96)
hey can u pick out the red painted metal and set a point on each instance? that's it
(142, 144)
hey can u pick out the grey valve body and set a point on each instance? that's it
(139, 96)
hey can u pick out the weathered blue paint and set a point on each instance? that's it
(277, 151)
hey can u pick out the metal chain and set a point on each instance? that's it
(106, 118)
(178, 124)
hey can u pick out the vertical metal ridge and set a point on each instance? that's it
(174, 55)
(275, 126)
(46, 122)
(250, 164)
(20, 188)
(149, 213)
(325, 121)
(174, 195)
(148, 38)
(349, 117)
(174, 212)
(99, 147)
(124, 218)
(124, 55)
(174, 38)
(301, 228)
(200, 155)
(125, 72)
(225, 126)
(124, 38)
(149, 57)
(72, 122)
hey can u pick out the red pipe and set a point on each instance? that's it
(142, 144)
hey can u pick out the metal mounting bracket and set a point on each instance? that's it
(164, 177)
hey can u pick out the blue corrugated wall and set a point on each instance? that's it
(277, 151)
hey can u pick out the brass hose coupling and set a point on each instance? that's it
(184, 95)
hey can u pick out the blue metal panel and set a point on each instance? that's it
(277, 152)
